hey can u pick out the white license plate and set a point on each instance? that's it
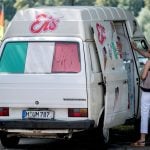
(40, 114)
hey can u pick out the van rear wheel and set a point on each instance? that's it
(106, 135)
(102, 133)
(9, 141)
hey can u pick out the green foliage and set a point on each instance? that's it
(84, 3)
(33, 3)
(147, 3)
(113, 3)
(147, 32)
(144, 21)
(9, 10)
(133, 6)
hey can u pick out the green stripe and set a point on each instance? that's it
(114, 50)
(13, 57)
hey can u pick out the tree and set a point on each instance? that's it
(85, 3)
(144, 21)
(72, 2)
(147, 32)
(147, 3)
(33, 3)
(133, 6)
(19, 4)
(113, 3)
(9, 10)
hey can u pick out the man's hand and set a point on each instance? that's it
(133, 44)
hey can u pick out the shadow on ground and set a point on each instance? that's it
(120, 139)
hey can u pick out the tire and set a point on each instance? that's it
(9, 141)
(106, 136)
(102, 133)
(102, 136)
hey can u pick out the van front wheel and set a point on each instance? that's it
(101, 131)
(106, 135)
(9, 141)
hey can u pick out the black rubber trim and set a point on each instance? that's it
(45, 124)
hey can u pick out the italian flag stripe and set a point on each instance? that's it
(13, 58)
(39, 57)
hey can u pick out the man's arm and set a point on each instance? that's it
(145, 70)
(142, 52)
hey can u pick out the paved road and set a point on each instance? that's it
(119, 141)
(38, 144)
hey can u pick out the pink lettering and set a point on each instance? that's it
(44, 23)
(101, 33)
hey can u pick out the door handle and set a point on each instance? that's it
(137, 81)
(125, 81)
(100, 83)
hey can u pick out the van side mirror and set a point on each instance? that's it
(144, 45)
(134, 26)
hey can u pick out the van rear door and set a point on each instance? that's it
(114, 73)
(42, 73)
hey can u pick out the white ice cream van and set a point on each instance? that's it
(68, 69)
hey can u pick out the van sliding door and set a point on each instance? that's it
(114, 73)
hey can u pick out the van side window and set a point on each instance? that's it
(94, 58)
(40, 57)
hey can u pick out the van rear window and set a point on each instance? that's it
(66, 58)
(40, 57)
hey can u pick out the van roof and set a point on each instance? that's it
(73, 21)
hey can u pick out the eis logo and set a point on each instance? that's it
(44, 23)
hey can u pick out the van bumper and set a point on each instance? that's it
(46, 124)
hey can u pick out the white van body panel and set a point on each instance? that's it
(114, 74)
(43, 89)
(78, 19)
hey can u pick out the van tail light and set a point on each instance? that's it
(77, 112)
(4, 111)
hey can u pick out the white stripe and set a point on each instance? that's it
(39, 57)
